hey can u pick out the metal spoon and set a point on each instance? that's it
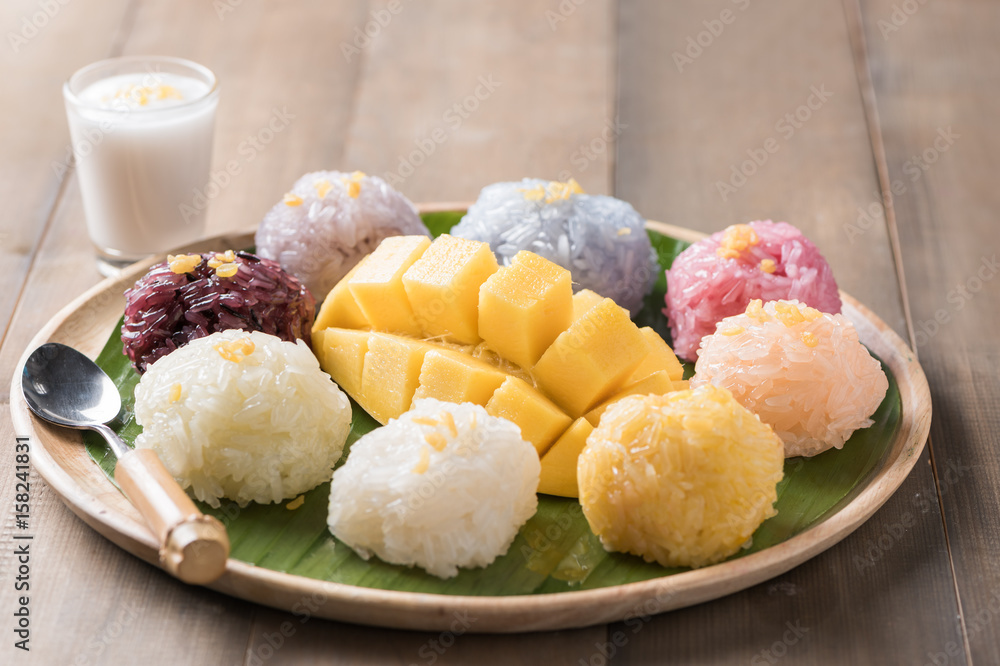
(64, 387)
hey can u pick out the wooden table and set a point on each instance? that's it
(872, 127)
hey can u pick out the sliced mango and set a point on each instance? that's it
(660, 357)
(391, 374)
(590, 360)
(558, 475)
(473, 332)
(339, 308)
(540, 420)
(341, 353)
(455, 377)
(442, 287)
(583, 300)
(377, 285)
(524, 306)
(658, 383)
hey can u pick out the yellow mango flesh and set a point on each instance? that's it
(442, 287)
(660, 357)
(540, 420)
(558, 475)
(658, 383)
(582, 351)
(341, 354)
(584, 300)
(590, 360)
(339, 309)
(524, 307)
(391, 374)
(455, 377)
(377, 285)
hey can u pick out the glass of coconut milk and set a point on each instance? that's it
(141, 128)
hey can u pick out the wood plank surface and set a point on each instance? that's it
(934, 68)
(662, 104)
(709, 143)
(325, 126)
(124, 611)
(41, 49)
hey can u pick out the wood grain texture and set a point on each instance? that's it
(312, 642)
(34, 137)
(680, 133)
(90, 602)
(934, 69)
(689, 127)
(510, 90)
(287, 93)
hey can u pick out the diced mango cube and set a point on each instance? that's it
(590, 360)
(658, 383)
(339, 309)
(341, 354)
(583, 300)
(540, 420)
(660, 357)
(390, 374)
(524, 306)
(559, 464)
(443, 287)
(377, 285)
(456, 377)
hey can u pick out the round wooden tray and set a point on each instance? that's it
(62, 461)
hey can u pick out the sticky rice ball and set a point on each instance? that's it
(601, 240)
(245, 416)
(329, 221)
(192, 295)
(682, 479)
(441, 487)
(717, 276)
(803, 372)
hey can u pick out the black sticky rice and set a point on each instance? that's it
(165, 310)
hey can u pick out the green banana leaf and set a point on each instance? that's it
(555, 551)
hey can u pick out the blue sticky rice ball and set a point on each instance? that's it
(601, 240)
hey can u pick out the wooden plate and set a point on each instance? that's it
(62, 461)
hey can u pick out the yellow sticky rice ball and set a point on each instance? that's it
(682, 479)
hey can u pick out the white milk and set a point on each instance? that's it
(143, 147)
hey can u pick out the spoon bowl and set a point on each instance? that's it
(66, 388)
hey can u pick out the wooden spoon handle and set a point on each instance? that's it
(193, 547)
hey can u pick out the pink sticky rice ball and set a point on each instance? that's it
(718, 276)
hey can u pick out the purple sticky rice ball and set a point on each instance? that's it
(329, 221)
(171, 306)
(718, 276)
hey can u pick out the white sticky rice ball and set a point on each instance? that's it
(242, 415)
(801, 371)
(441, 487)
(329, 221)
